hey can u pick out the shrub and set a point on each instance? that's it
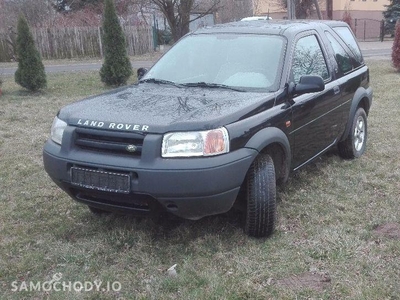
(30, 73)
(396, 47)
(116, 68)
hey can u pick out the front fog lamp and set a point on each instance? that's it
(57, 130)
(195, 143)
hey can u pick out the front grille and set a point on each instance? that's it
(109, 141)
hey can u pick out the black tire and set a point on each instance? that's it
(97, 211)
(261, 197)
(355, 143)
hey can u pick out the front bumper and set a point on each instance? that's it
(190, 188)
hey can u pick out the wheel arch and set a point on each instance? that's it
(274, 142)
(362, 98)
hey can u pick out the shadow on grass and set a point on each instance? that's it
(120, 231)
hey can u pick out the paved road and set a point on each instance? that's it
(379, 50)
(373, 50)
(76, 67)
(378, 53)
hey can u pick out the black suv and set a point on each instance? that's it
(230, 110)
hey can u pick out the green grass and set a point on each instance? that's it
(327, 216)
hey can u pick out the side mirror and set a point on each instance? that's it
(309, 84)
(141, 72)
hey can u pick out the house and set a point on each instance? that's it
(358, 9)
(330, 9)
(364, 16)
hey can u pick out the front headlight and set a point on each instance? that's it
(57, 130)
(195, 143)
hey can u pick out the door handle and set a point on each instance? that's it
(336, 90)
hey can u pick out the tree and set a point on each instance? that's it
(391, 15)
(396, 47)
(73, 5)
(303, 8)
(177, 13)
(36, 12)
(229, 11)
(30, 73)
(116, 68)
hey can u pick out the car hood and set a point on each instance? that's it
(149, 107)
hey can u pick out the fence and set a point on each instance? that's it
(372, 30)
(368, 29)
(72, 42)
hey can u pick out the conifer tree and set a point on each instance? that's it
(30, 73)
(396, 47)
(391, 15)
(116, 68)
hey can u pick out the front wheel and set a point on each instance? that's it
(354, 145)
(261, 197)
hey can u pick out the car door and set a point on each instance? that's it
(349, 74)
(315, 116)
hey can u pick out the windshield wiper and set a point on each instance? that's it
(160, 81)
(212, 85)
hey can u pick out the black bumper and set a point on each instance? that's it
(190, 188)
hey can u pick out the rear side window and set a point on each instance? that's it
(308, 59)
(342, 57)
(348, 38)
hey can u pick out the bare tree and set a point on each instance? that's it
(316, 4)
(177, 13)
(74, 5)
(257, 4)
(37, 13)
(303, 9)
(89, 12)
(234, 10)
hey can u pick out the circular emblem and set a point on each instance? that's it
(131, 148)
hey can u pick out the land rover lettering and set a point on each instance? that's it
(112, 125)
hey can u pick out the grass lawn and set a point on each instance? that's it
(152, 56)
(337, 237)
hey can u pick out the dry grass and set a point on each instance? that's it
(152, 56)
(329, 242)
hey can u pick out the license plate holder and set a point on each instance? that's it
(100, 180)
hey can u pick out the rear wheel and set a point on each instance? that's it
(261, 197)
(354, 145)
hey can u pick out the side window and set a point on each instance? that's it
(342, 58)
(308, 59)
(346, 35)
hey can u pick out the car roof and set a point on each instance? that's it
(279, 27)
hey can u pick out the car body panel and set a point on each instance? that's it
(119, 134)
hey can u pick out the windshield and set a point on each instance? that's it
(234, 60)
